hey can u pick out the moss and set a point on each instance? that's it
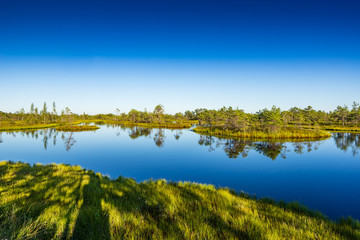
(65, 202)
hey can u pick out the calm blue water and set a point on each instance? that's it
(323, 175)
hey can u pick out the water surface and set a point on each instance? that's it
(324, 175)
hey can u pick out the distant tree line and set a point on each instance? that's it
(274, 119)
(271, 120)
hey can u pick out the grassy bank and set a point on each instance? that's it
(284, 134)
(63, 202)
(77, 128)
(21, 127)
(342, 129)
(352, 129)
(167, 125)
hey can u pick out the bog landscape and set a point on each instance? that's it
(179, 119)
(90, 198)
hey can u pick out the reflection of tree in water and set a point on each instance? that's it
(136, 132)
(54, 138)
(345, 141)
(241, 147)
(45, 135)
(177, 135)
(69, 140)
(271, 149)
(117, 133)
(233, 148)
(1, 137)
(206, 140)
(45, 139)
(159, 137)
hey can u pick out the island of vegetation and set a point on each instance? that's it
(67, 202)
(77, 128)
(295, 123)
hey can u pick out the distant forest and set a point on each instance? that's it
(270, 120)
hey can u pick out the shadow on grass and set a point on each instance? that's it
(62, 202)
(92, 222)
(34, 191)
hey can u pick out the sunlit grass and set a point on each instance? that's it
(23, 126)
(77, 128)
(342, 129)
(167, 125)
(282, 134)
(64, 202)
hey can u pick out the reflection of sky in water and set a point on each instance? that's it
(323, 175)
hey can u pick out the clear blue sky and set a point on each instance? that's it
(95, 56)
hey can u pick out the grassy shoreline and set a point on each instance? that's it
(158, 125)
(167, 125)
(67, 202)
(342, 129)
(27, 127)
(336, 128)
(77, 128)
(288, 134)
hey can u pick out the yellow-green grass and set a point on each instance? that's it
(67, 202)
(283, 134)
(352, 129)
(168, 125)
(21, 127)
(77, 128)
(342, 129)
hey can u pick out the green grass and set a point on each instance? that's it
(20, 127)
(284, 134)
(167, 125)
(342, 129)
(333, 128)
(77, 128)
(64, 202)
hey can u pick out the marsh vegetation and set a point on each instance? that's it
(64, 202)
(58, 201)
(272, 123)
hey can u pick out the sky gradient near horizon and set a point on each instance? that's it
(95, 56)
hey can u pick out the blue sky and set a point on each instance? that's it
(94, 56)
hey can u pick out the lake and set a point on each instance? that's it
(323, 175)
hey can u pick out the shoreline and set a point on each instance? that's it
(259, 135)
(54, 197)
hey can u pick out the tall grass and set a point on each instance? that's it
(64, 202)
(167, 125)
(283, 134)
(26, 127)
(77, 128)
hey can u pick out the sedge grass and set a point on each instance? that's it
(67, 202)
(284, 134)
(77, 128)
(26, 127)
